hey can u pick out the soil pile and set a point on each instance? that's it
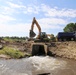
(64, 49)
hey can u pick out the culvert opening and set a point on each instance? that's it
(38, 50)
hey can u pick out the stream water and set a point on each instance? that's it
(37, 65)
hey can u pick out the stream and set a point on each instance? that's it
(38, 65)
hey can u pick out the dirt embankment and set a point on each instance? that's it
(18, 48)
(22, 46)
(64, 49)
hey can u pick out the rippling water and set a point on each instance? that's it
(37, 65)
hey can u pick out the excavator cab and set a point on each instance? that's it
(43, 35)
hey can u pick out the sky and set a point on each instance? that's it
(52, 15)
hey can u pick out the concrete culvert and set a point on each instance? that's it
(38, 49)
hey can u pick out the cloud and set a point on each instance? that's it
(6, 18)
(55, 12)
(17, 29)
(37, 9)
(47, 24)
(20, 8)
(31, 9)
(7, 10)
(42, 8)
(53, 21)
(13, 5)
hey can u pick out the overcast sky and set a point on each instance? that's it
(52, 15)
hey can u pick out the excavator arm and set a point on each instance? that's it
(32, 34)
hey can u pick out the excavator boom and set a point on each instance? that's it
(32, 34)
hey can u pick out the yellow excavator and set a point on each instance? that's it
(42, 36)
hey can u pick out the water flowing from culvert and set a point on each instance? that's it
(37, 65)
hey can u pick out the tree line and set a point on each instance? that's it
(14, 37)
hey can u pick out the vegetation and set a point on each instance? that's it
(13, 53)
(13, 39)
(52, 38)
(71, 27)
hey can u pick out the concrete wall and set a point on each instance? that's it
(39, 49)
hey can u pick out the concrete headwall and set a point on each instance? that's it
(39, 49)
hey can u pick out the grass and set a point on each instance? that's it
(13, 53)
(11, 40)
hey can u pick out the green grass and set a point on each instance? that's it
(13, 53)
(11, 40)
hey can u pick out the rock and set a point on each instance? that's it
(4, 56)
(2, 41)
(1, 46)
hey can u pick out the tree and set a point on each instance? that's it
(71, 27)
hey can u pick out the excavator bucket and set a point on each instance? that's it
(32, 34)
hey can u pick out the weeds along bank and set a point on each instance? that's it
(13, 50)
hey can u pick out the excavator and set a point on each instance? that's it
(42, 36)
(40, 43)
